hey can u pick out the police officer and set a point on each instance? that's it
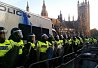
(94, 40)
(30, 50)
(70, 46)
(42, 46)
(65, 44)
(58, 51)
(51, 46)
(81, 41)
(50, 50)
(16, 36)
(57, 46)
(86, 40)
(5, 47)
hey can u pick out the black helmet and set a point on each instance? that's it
(31, 37)
(44, 36)
(51, 37)
(57, 37)
(2, 34)
(2, 30)
(31, 34)
(17, 31)
(61, 37)
(14, 30)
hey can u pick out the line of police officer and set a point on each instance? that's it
(15, 52)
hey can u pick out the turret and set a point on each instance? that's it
(27, 7)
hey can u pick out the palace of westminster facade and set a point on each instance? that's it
(79, 26)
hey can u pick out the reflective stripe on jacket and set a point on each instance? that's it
(5, 47)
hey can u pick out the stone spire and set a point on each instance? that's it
(73, 18)
(27, 7)
(60, 16)
(78, 1)
(44, 11)
(68, 17)
(86, 1)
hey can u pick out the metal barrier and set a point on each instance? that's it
(96, 66)
(64, 64)
(73, 62)
(86, 62)
(73, 53)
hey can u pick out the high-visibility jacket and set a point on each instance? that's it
(90, 40)
(81, 40)
(42, 46)
(49, 44)
(53, 42)
(86, 40)
(32, 44)
(94, 40)
(59, 44)
(77, 42)
(20, 45)
(66, 41)
(70, 41)
(5, 47)
(61, 41)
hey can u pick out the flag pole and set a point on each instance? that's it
(31, 26)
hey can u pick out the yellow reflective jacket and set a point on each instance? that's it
(20, 45)
(42, 46)
(61, 41)
(81, 40)
(5, 47)
(70, 41)
(32, 44)
(66, 41)
(77, 42)
(94, 40)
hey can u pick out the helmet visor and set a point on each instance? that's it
(19, 32)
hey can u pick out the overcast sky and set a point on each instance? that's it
(67, 7)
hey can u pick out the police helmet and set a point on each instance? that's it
(44, 36)
(62, 37)
(31, 37)
(18, 31)
(57, 37)
(51, 37)
(2, 30)
(2, 34)
(14, 30)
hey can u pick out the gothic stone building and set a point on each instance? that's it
(79, 26)
(57, 25)
(82, 24)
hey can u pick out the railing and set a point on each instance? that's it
(96, 66)
(75, 58)
(73, 55)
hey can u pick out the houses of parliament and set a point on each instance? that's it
(79, 26)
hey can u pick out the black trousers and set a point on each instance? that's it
(43, 56)
(9, 59)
